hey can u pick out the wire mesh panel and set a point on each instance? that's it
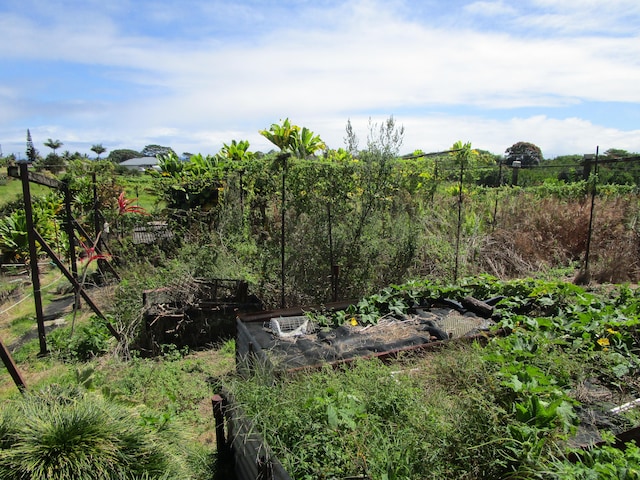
(297, 326)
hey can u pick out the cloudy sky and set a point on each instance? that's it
(194, 74)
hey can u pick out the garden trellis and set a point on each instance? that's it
(344, 216)
(71, 225)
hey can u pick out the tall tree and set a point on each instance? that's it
(155, 150)
(32, 153)
(119, 155)
(528, 154)
(53, 144)
(98, 149)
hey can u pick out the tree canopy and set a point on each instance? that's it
(53, 144)
(121, 154)
(155, 150)
(528, 154)
(98, 149)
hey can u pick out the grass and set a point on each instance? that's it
(67, 434)
(382, 421)
(173, 389)
(166, 401)
(142, 187)
(12, 190)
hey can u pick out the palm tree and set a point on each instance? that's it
(98, 149)
(53, 144)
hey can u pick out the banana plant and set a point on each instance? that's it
(307, 143)
(14, 244)
(282, 136)
(170, 164)
(236, 151)
(13, 236)
(199, 165)
(302, 142)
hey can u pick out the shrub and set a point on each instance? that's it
(88, 341)
(66, 434)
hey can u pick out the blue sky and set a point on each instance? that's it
(194, 74)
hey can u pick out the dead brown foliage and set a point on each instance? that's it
(538, 233)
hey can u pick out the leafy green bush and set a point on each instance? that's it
(605, 462)
(89, 340)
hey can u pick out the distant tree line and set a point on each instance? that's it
(616, 166)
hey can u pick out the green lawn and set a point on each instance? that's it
(142, 188)
(12, 189)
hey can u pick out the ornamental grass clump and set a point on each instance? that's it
(67, 434)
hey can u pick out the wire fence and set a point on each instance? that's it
(30, 295)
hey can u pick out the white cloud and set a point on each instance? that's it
(612, 18)
(333, 64)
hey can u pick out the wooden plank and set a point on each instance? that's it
(33, 257)
(11, 367)
(35, 177)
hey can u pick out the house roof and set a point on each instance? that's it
(140, 162)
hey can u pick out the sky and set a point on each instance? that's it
(196, 74)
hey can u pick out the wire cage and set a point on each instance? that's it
(297, 326)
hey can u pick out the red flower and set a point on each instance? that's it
(125, 206)
(90, 253)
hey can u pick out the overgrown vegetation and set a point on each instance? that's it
(505, 410)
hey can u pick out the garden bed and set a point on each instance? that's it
(286, 340)
(557, 392)
(195, 313)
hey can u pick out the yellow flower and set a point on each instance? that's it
(353, 321)
(612, 331)
(603, 342)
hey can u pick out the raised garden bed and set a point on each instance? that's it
(561, 378)
(286, 340)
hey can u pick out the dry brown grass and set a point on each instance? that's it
(548, 233)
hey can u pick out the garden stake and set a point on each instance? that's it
(71, 236)
(33, 257)
(282, 239)
(593, 200)
(455, 272)
(218, 415)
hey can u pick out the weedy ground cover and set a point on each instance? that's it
(509, 409)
